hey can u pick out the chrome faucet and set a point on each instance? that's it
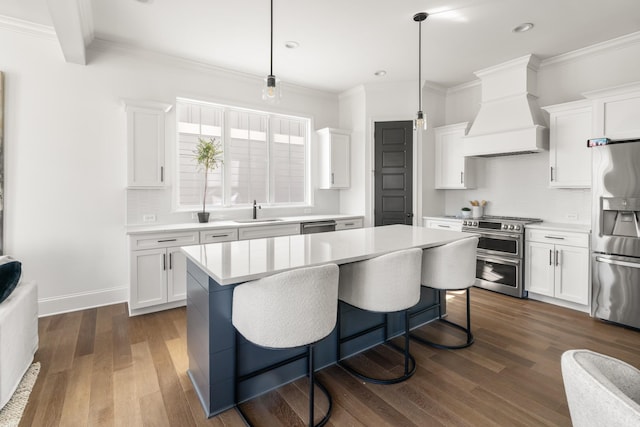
(255, 210)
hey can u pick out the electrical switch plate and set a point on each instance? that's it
(572, 216)
(149, 218)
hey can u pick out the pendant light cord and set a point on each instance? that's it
(271, 69)
(420, 66)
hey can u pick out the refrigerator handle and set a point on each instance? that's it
(620, 263)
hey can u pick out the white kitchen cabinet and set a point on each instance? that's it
(616, 113)
(557, 266)
(158, 271)
(346, 224)
(334, 151)
(569, 157)
(219, 235)
(453, 224)
(453, 170)
(261, 231)
(146, 144)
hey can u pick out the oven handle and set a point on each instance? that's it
(501, 236)
(499, 260)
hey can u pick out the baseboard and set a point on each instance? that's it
(561, 303)
(81, 301)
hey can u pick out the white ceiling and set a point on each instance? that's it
(343, 42)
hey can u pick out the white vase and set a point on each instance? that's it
(477, 211)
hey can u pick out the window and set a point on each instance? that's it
(265, 156)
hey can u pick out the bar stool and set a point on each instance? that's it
(385, 284)
(296, 308)
(450, 267)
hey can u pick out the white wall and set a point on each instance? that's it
(518, 185)
(65, 153)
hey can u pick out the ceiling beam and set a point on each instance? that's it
(73, 22)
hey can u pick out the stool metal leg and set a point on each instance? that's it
(467, 330)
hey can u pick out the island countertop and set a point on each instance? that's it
(239, 261)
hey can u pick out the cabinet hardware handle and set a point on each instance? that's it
(170, 261)
(164, 261)
(167, 240)
(219, 235)
(550, 262)
(444, 226)
(161, 173)
(551, 173)
(557, 257)
(554, 237)
(616, 262)
(332, 178)
(461, 177)
(349, 224)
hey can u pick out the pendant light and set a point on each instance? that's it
(420, 122)
(271, 90)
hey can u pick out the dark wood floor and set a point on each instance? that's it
(101, 367)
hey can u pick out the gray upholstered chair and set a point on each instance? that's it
(296, 308)
(385, 284)
(450, 267)
(601, 390)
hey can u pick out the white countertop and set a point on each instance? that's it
(212, 225)
(239, 261)
(560, 226)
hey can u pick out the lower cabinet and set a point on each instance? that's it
(158, 277)
(346, 224)
(557, 265)
(262, 231)
(443, 223)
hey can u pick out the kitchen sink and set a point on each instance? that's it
(249, 221)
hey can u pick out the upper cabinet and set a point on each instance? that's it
(146, 144)
(334, 154)
(616, 112)
(453, 169)
(569, 157)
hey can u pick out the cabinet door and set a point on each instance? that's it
(572, 274)
(340, 161)
(345, 224)
(539, 268)
(454, 225)
(569, 155)
(176, 275)
(453, 169)
(246, 233)
(148, 278)
(145, 144)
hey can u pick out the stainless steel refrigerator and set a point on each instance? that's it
(615, 231)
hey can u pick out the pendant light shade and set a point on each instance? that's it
(421, 121)
(271, 90)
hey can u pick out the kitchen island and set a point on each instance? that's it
(214, 269)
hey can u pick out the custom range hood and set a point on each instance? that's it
(509, 121)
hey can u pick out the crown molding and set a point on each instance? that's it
(26, 27)
(463, 86)
(617, 43)
(102, 44)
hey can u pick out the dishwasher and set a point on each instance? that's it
(317, 227)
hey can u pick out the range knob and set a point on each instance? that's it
(465, 222)
(517, 228)
(511, 227)
(505, 226)
(475, 223)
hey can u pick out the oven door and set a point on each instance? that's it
(500, 274)
(501, 244)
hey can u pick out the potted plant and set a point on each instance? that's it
(465, 212)
(207, 155)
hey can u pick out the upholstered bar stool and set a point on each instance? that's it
(293, 309)
(385, 284)
(450, 267)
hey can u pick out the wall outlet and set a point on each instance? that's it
(149, 218)
(572, 216)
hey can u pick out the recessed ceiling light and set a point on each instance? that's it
(523, 27)
(291, 44)
(380, 73)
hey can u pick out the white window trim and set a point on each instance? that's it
(310, 167)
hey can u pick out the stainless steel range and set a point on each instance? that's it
(500, 255)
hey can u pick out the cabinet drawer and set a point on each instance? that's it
(443, 225)
(164, 240)
(268, 231)
(558, 237)
(219, 235)
(345, 224)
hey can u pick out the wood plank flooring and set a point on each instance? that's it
(100, 367)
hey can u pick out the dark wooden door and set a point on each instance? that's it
(393, 172)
